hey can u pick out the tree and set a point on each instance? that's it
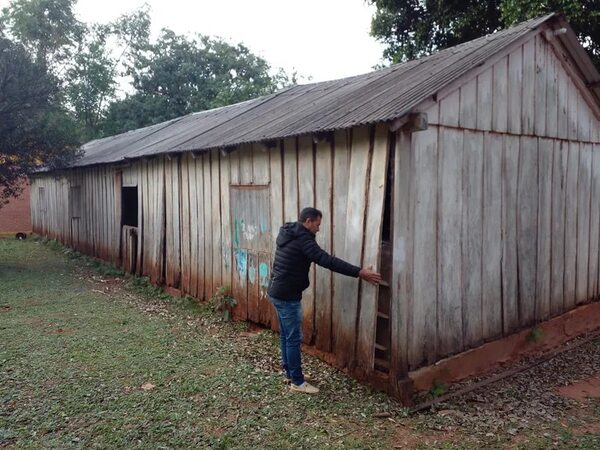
(412, 28)
(179, 75)
(48, 29)
(103, 55)
(34, 131)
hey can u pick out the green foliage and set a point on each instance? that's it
(35, 130)
(535, 335)
(179, 75)
(47, 28)
(438, 389)
(223, 302)
(412, 28)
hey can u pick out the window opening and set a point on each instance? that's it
(129, 206)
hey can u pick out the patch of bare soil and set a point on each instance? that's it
(582, 390)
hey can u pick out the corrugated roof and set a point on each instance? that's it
(379, 96)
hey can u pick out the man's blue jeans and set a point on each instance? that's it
(289, 314)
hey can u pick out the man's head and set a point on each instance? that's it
(311, 219)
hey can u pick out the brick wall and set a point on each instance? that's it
(16, 216)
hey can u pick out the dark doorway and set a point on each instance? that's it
(129, 206)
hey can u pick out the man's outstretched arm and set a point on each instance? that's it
(316, 254)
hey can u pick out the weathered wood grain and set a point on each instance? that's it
(323, 277)
(527, 228)
(559, 179)
(491, 279)
(306, 197)
(500, 96)
(450, 109)
(450, 265)
(515, 90)
(367, 318)
(341, 164)
(423, 325)
(540, 86)
(484, 100)
(544, 243)
(571, 226)
(528, 92)
(583, 221)
(472, 235)
(353, 244)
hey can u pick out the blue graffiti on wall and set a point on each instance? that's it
(263, 271)
(241, 258)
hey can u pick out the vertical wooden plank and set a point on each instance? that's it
(174, 222)
(583, 222)
(264, 275)
(246, 169)
(253, 285)
(484, 100)
(402, 257)
(527, 223)
(491, 280)
(562, 127)
(450, 204)
(341, 165)
(551, 95)
(583, 120)
(571, 226)
(215, 215)
(500, 96)
(540, 86)
(169, 274)
(468, 104)
(472, 235)
(196, 232)
(290, 180)
(572, 107)
(559, 178)
(450, 107)
(234, 164)
(594, 224)
(323, 277)
(141, 230)
(528, 94)
(260, 161)
(367, 318)
(224, 178)
(160, 219)
(276, 208)
(306, 195)
(515, 90)
(544, 243)
(184, 224)
(353, 242)
(423, 327)
(204, 217)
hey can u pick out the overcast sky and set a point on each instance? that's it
(323, 39)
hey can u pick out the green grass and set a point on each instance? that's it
(77, 349)
(79, 340)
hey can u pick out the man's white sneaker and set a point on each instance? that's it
(304, 387)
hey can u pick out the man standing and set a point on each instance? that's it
(296, 250)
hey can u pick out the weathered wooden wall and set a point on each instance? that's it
(211, 219)
(497, 213)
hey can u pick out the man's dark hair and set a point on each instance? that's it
(309, 213)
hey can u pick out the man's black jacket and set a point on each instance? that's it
(296, 250)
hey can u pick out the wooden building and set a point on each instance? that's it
(470, 178)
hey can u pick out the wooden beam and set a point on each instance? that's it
(411, 122)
